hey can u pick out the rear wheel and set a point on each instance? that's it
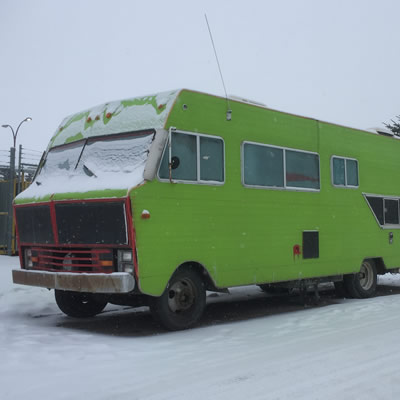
(183, 302)
(363, 284)
(79, 305)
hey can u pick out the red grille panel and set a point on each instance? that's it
(73, 260)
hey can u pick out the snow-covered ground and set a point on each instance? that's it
(250, 346)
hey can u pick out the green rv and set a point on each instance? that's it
(154, 200)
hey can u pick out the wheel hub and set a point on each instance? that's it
(366, 276)
(181, 296)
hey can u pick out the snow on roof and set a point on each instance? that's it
(116, 117)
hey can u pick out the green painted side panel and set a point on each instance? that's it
(246, 235)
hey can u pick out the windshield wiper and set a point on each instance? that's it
(88, 171)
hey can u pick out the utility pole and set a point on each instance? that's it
(10, 217)
(19, 170)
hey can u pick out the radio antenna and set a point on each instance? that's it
(229, 111)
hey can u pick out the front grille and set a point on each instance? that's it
(34, 224)
(91, 223)
(73, 260)
(73, 223)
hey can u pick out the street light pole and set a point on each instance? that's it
(10, 216)
(15, 133)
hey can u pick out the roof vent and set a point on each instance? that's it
(244, 100)
(382, 131)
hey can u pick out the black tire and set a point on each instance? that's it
(79, 305)
(341, 290)
(183, 302)
(363, 284)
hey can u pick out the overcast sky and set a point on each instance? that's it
(330, 59)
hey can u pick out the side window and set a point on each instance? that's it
(194, 158)
(275, 167)
(184, 157)
(211, 159)
(351, 172)
(338, 171)
(376, 204)
(302, 170)
(263, 166)
(391, 211)
(386, 210)
(344, 172)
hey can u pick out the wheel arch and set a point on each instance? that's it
(379, 265)
(203, 273)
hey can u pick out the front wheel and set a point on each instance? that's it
(363, 284)
(79, 305)
(183, 302)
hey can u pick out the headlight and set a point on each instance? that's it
(28, 259)
(125, 261)
(127, 256)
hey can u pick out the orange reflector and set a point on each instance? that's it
(35, 259)
(106, 263)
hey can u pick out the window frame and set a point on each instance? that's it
(285, 186)
(198, 181)
(383, 197)
(345, 172)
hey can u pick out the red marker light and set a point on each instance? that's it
(145, 214)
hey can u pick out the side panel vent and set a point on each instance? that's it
(311, 244)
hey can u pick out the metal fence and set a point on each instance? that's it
(13, 180)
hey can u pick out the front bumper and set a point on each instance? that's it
(118, 282)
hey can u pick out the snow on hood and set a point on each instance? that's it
(116, 117)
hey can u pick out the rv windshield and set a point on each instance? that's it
(98, 158)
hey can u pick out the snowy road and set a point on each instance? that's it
(256, 348)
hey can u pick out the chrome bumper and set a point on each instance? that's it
(119, 282)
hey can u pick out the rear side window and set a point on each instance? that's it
(385, 210)
(344, 172)
(194, 158)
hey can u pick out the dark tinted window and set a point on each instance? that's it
(376, 204)
(391, 211)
